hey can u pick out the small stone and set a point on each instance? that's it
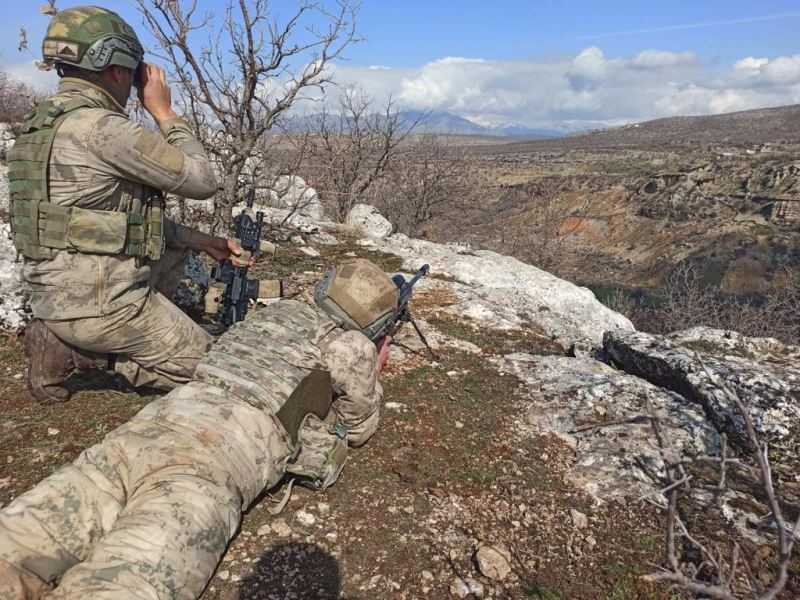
(332, 537)
(398, 406)
(18, 376)
(579, 520)
(281, 528)
(52, 431)
(264, 530)
(590, 541)
(305, 518)
(463, 587)
(459, 425)
(224, 574)
(427, 576)
(494, 562)
(323, 508)
(310, 251)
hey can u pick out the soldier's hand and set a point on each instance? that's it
(383, 353)
(154, 92)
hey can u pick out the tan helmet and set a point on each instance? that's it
(91, 38)
(359, 296)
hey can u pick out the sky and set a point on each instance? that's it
(568, 65)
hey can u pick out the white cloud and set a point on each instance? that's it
(567, 91)
(563, 91)
(750, 63)
(656, 59)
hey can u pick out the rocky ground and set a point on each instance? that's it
(626, 214)
(521, 463)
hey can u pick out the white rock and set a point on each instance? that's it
(224, 574)
(398, 406)
(494, 561)
(463, 587)
(14, 300)
(305, 518)
(323, 508)
(291, 192)
(52, 431)
(369, 220)
(502, 292)
(310, 251)
(281, 528)
(4, 191)
(579, 520)
(264, 530)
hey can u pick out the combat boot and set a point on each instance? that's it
(50, 363)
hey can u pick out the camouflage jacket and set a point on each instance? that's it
(101, 160)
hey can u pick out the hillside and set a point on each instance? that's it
(745, 128)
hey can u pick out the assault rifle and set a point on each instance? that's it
(402, 314)
(239, 289)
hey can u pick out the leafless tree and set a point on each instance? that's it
(432, 177)
(239, 73)
(722, 575)
(16, 98)
(349, 151)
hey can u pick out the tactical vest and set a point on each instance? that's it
(40, 228)
(272, 361)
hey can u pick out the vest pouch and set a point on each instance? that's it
(320, 453)
(97, 231)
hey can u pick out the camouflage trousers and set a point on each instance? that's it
(149, 512)
(155, 343)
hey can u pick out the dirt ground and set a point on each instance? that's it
(446, 473)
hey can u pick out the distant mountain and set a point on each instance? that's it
(449, 123)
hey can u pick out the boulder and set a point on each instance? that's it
(369, 220)
(604, 415)
(290, 192)
(502, 292)
(706, 366)
(13, 299)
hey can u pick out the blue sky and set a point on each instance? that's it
(569, 63)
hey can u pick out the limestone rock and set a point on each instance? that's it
(290, 192)
(504, 293)
(604, 415)
(579, 520)
(696, 364)
(6, 139)
(5, 199)
(369, 220)
(464, 587)
(13, 299)
(494, 562)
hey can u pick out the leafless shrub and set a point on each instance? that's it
(240, 72)
(540, 235)
(348, 152)
(715, 575)
(688, 303)
(432, 178)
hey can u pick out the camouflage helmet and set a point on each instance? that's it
(91, 38)
(359, 296)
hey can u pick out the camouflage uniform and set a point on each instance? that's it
(149, 512)
(110, 303)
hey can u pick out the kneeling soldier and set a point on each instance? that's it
(150, 510)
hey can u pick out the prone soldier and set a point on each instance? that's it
(87, 214)
(148, 512)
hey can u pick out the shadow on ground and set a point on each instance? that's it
(294, 570)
